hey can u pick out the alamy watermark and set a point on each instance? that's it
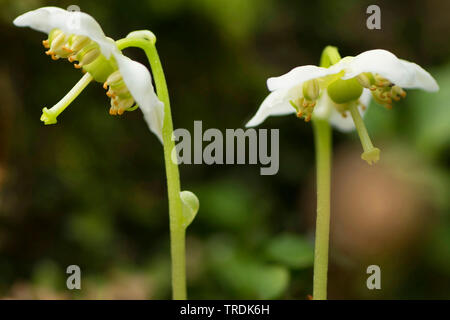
(74, 280)
(374, 20)
(374, 280)
(230, 148)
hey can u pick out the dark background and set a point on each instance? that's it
(91, 190)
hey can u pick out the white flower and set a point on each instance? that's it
(336, 93)
(78, 37)
(377, 70)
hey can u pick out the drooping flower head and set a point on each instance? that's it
(340, 87)
(77, 37)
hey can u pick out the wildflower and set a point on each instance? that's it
(338, 91)
(77, 37)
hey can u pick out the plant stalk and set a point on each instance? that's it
(322, 138)
(177, 230)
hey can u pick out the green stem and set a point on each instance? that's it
(177, 230)
(322, 138)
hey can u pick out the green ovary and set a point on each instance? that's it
(101, 68)
(344, 91)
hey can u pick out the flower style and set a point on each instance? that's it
(340, 86)
(76, 36)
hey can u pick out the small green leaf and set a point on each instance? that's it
(291, 250)
(190, 207)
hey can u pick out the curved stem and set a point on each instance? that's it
(322, 138)
(177, 230)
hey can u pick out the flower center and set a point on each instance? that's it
(383, 91)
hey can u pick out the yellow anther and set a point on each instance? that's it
(79, 42)
(111, 94)
(303, 108)
(46, 44)
(311, 89)
(58, 41)
(114, 78)
(89, 57)
(366, 80)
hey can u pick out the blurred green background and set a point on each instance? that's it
(91, 190)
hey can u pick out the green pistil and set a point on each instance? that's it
(49, 115)
(370, 154)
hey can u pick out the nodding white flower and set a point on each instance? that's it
(338, 91)
(76, 36)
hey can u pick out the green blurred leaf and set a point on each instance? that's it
(48, 274)
(430, 115)
(229, 204)
(251, 279)
(291, 250)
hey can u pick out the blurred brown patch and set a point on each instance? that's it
(375, 211)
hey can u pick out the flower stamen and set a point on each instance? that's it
(306, 103)
(121, 99)
(73, 47)
(383, 91)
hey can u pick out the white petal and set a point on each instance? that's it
(139, 82)
(347, 124)
(324, 106)
(275, 104)
(422, 79)
(380, 62)
(70, 22)
(42, 19)
(299, 75)
(386, 64)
